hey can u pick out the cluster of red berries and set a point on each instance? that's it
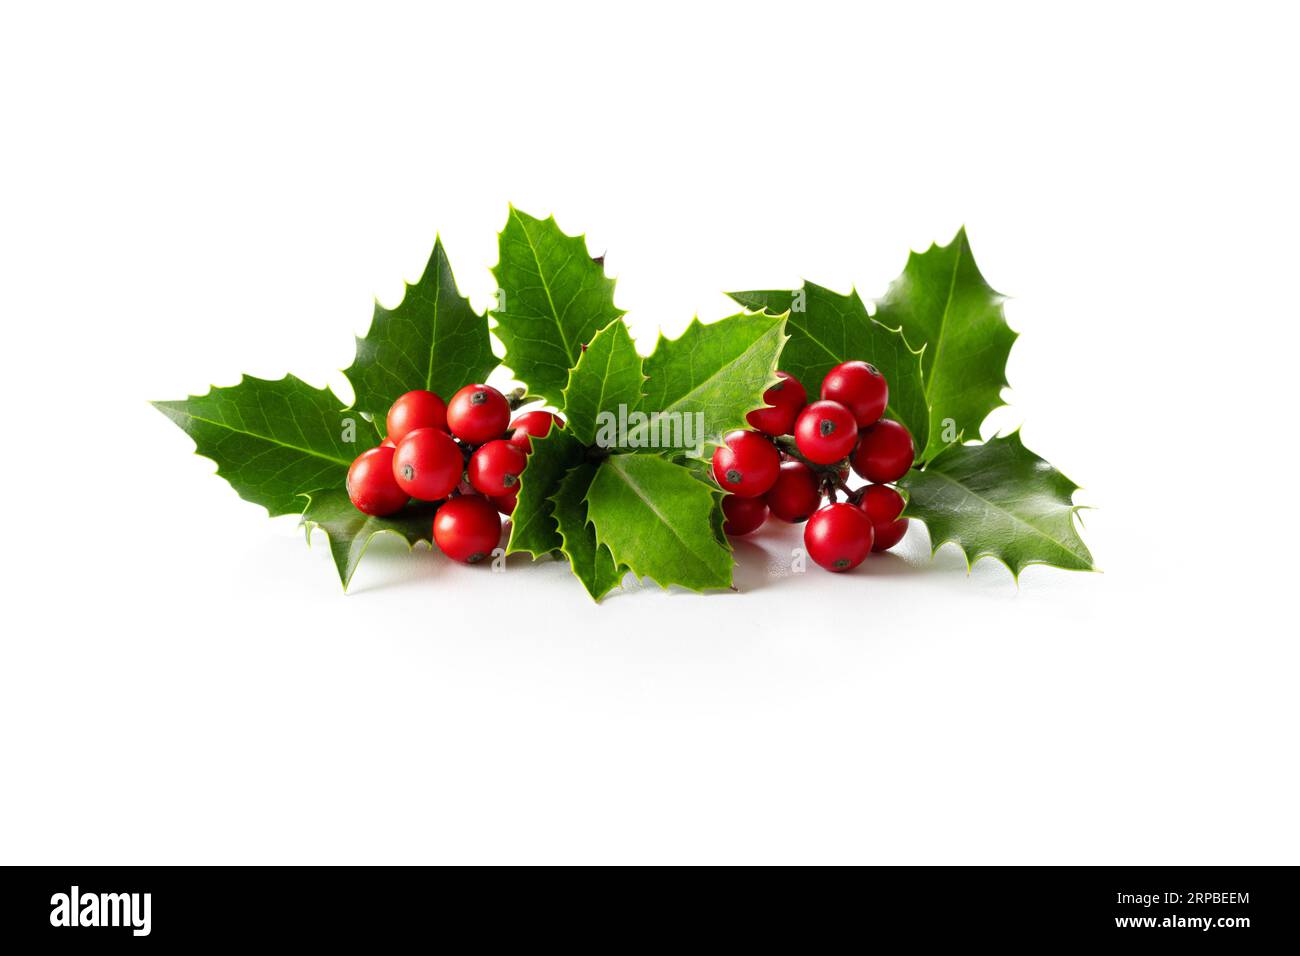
(466, 453)
(767, 474)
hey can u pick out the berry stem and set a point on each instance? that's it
(788, 447)
(842, 485)
(515, 398)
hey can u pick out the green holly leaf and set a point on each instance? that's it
(552, 299)
(718, 371)
(999, 500)
(658, 520)
(434, 340)
(607, 375)
(702, 470)
(591, 562)
(349, 531)
(532, 526)
(827, 328)
(942, 302)
(272, 440)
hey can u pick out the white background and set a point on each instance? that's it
(189, 194)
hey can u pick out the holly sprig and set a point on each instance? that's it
(606, 493)
(941, 339)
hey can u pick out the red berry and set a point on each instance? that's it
(418, 409)
(478, 413)
(860, 388)
(838, 537)
(371, 484)
(883, 506)
(885, 452)
(467, 528)
(533, 423)
(825, 432)
(746, 464)
(428, 464)
(743, 514)
(784, 400)
(495, 468)
(388, 443)
(505, 503)
(796, 495)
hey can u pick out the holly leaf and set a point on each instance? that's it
(552, 298)
(999, 500)
(273, 440)
(717, 371)
(657, 520)
(941, 301)
(607, 375)
(702, 470)
(827, 328)
(532, 525)
(433, 340)
(349, 530)
(591, 562)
